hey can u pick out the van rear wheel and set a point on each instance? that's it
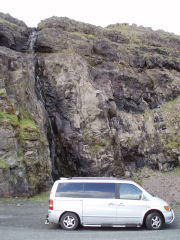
(154, 221)
(69, 221)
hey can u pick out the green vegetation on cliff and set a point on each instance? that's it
(10, 118)
(25, 128)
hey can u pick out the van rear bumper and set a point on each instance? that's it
(53, 216)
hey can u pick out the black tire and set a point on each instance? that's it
(69, 221)
(154, 221)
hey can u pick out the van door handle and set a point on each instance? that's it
(114, 204)
(121, 204)
(111, 204)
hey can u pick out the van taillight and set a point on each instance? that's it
(50, 204)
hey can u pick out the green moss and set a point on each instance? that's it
(175, 171)
(3, 164)
(95, 143)
(134, 34)
(170, 114)
(90, 61)
(25, 128)
(43, 141)
(96, 147)
(11, 118)
(32, 178)
(173, 143)
(84, 36)
(66, 51)
(24, 135)
(28, 125)
(2, 20)
(41, 25)
(20, 154)
(13, 179)
(23, 113)
(2, 92)
(92, 36)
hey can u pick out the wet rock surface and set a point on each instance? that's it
(99, 101)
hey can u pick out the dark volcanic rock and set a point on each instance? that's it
(14, 34)
(103, 88)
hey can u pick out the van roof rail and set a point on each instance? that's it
(63, 178)
(95, 178)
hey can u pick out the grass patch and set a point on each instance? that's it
(11, 118)
(3, 164)
(2, 92)
(96, 147)
(20, 154)
(42, 197)
(25, 128)
(28, 125)
(41, 25)
(24, 114)
(84, 36)
(92, 36)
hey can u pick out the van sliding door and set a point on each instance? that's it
(99, 204)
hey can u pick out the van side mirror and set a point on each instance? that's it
(143, 197)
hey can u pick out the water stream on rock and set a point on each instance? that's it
(39, 91)
(32, 41)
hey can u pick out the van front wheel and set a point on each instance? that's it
(69, 221)
(154, 221)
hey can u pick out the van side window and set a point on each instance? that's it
(74, 190)
(129, 191)
(99, 190)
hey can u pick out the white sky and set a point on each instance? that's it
(158, 14)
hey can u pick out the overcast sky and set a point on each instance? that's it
(158, 14)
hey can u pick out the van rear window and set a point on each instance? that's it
(74, 190)
(86, 190)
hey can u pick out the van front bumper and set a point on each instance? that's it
(169, 216)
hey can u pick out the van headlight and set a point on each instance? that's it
(167, 208)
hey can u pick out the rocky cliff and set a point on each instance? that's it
(24, 150)
(81, 100)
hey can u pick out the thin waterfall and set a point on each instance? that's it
(39, 91)
(32, 41)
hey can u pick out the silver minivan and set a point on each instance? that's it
(104, 202)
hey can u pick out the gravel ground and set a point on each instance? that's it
(163, 185)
